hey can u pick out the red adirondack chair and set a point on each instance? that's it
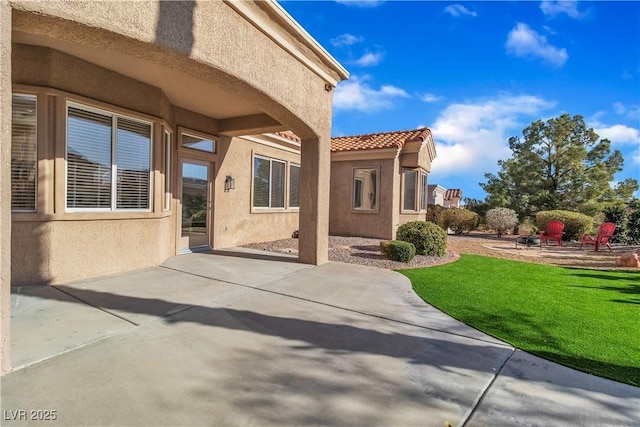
(553, 232)
(605, 231)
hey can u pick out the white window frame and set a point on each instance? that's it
(196, 135)
(114, 167)
(355, 179)
(285, 189)
(415, 193)
(35, 196)
(424, 187)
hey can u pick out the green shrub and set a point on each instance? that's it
(435, 214)
(575, 224)
(428, 238)
(459, 220)
(401, 251)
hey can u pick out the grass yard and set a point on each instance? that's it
(586, 319)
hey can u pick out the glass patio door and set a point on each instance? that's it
(196, 206)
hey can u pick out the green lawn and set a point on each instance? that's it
(586, 319)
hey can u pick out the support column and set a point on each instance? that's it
(5, 185)
(315, 171)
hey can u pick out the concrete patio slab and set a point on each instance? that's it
(330, 345)
(544, 393)
(46, 322)
(379, 292)
(231, 265)
(263, 359)
(146, 295)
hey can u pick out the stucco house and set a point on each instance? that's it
(379, 181)
(135, 131)
(435, 194)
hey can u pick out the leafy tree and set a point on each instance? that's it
(460, 220)
(559, 164)
(502, 219)
(633, 222)
(618, 215)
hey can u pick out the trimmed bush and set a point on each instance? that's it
(401, 251)
(502, 219)
(575, 224)
(428, 238)
(435, 214)
(459, 220)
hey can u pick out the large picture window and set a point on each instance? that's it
(294, 186)
(108, 161)
(23, 153)
(268, 183)
(365, 189)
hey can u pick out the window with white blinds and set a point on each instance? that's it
(108, 161)
(24, 157)
(294, 186)
(269, 177)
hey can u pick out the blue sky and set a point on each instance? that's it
(477, 73)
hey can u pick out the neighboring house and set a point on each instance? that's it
(452, 198)
(135, 131)
(435, 194)
(379, 181)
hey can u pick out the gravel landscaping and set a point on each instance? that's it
(354, 250)
(363, 251)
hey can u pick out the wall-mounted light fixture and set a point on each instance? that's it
(229, 183)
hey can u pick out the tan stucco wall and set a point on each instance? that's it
(235, 224)
(419, 159)
(5, 185)
(60, 251)
(343, 221)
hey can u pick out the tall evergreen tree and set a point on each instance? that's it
(558, 164)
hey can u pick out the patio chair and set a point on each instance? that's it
(605, 231)
(553, 231)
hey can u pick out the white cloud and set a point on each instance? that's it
(524, 42)
(556, 7)
(471, 137)
(619, 107)
(346, 40)
(458, 9)
(430, 97)
(356, 94)
(369, 59)
(618, 134)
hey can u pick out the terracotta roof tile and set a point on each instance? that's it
(453, 193)
(287, 134)
(375, 141)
